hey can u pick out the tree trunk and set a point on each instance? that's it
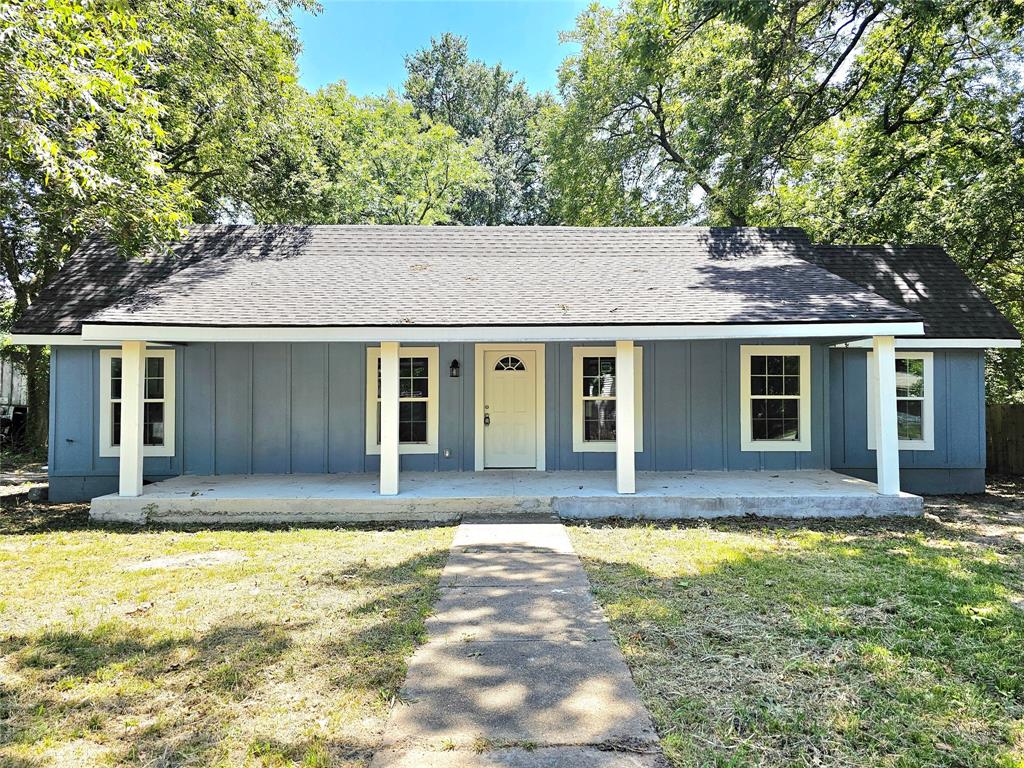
(37, 379)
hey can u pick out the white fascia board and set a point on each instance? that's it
(49, 340)
(411, 333)
(940, 344)
(64, 340)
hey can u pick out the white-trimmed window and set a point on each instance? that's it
(914, 401)
(157, 405)
(417, 400)
(775, 397)
(594, 399)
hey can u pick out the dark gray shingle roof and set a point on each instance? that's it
(925, 279)
(458, 276)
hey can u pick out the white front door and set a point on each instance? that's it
(510, 409)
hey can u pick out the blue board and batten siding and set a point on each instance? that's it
(300, 408)
(957, 463)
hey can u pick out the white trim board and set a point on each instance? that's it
(59, 340)
(478, 400)
(49, 340)
(513, 334)
(939, 344)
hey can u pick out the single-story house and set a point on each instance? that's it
(328, 364)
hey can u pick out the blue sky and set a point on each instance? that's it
(364, 42)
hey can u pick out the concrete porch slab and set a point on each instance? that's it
(447, 496)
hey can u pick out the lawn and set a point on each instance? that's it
(825, 644)
(262, 647)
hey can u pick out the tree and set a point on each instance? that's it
(862, 120)
(81, 147)
(126, 118)
(486, 105)
(341, 160)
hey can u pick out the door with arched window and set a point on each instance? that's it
(510, 409)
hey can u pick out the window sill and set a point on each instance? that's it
(909, 445)
(410, 449)
(775, 446)
(157, 451)
(601, 447)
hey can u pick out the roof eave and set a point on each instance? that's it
(107, 333)
(936, 342)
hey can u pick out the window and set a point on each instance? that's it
(157, 403)
(510, 363)
(594, 399)
(913, 401)
(775, 398)
(417, 400)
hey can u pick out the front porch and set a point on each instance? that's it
(447, 496)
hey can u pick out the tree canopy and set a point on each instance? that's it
(860, 120)
(488, 106)
(342, 160)
(128, 118)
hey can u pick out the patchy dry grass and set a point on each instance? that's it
(888, 643)
(234, 647)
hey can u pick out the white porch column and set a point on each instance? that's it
(389, 418)
(887, 447)
(133, 379)
(625, 410)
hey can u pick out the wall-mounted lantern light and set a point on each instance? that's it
(453, 370)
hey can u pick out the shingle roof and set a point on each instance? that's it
(925, 279)
(457, 276)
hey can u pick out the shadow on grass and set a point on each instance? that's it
(160, 694)
(34, 518)
(861, 643)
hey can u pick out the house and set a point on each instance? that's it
(367, 365)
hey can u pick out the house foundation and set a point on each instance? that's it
(448, 496)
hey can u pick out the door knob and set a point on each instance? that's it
(487, 419)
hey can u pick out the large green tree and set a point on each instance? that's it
(862, 120)
(490, 107)
(339, 159)
(130, 118)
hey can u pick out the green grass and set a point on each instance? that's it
(286, 652)
(862, 644)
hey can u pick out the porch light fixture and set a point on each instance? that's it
(453, 369)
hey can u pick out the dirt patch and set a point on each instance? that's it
(196, 560)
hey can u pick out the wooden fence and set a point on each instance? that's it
(1004, 428)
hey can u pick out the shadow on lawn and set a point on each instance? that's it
(34, 518)
(161, 695)
(877, 642)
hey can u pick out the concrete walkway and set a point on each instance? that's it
(520, 669)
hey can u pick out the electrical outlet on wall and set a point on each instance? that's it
(447, 453)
